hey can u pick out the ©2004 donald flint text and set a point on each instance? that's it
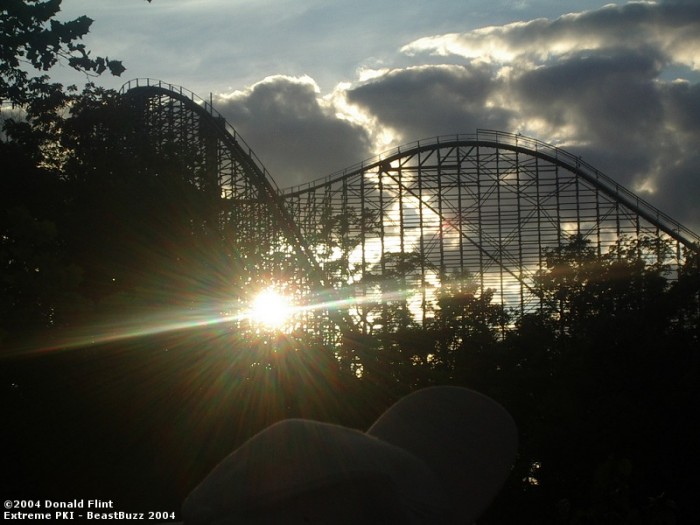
(90, 509)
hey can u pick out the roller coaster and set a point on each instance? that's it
(487, 207)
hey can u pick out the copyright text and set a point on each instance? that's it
(77, 509)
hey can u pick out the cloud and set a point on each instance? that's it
(297, 135)
(672, 27)
(426, 101)
(600, 84)
(609, 100)
(682, 101)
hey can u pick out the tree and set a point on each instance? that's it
(30, 35)
(467, 329)
(39, 280)
(139, 223)
(604, 377)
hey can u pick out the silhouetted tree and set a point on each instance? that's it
(32, 36)
(40, 278)
(600, 377)
(467, 327)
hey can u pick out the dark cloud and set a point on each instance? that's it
(678, 179)
(679, 190)
(295, 136)
(597, 83)
(432, 100)
(611, 100)
(683, 105)
(673, 28)
(640, 130)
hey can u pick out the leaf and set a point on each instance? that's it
(115, 67)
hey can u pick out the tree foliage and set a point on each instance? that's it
(32, 38)
(40, 277)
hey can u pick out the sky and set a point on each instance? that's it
(314, 86)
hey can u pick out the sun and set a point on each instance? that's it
(271, 309)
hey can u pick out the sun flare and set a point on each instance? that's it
(271, 309)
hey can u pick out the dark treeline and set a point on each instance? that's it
(102, 235)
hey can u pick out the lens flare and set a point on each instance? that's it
(271, 309)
